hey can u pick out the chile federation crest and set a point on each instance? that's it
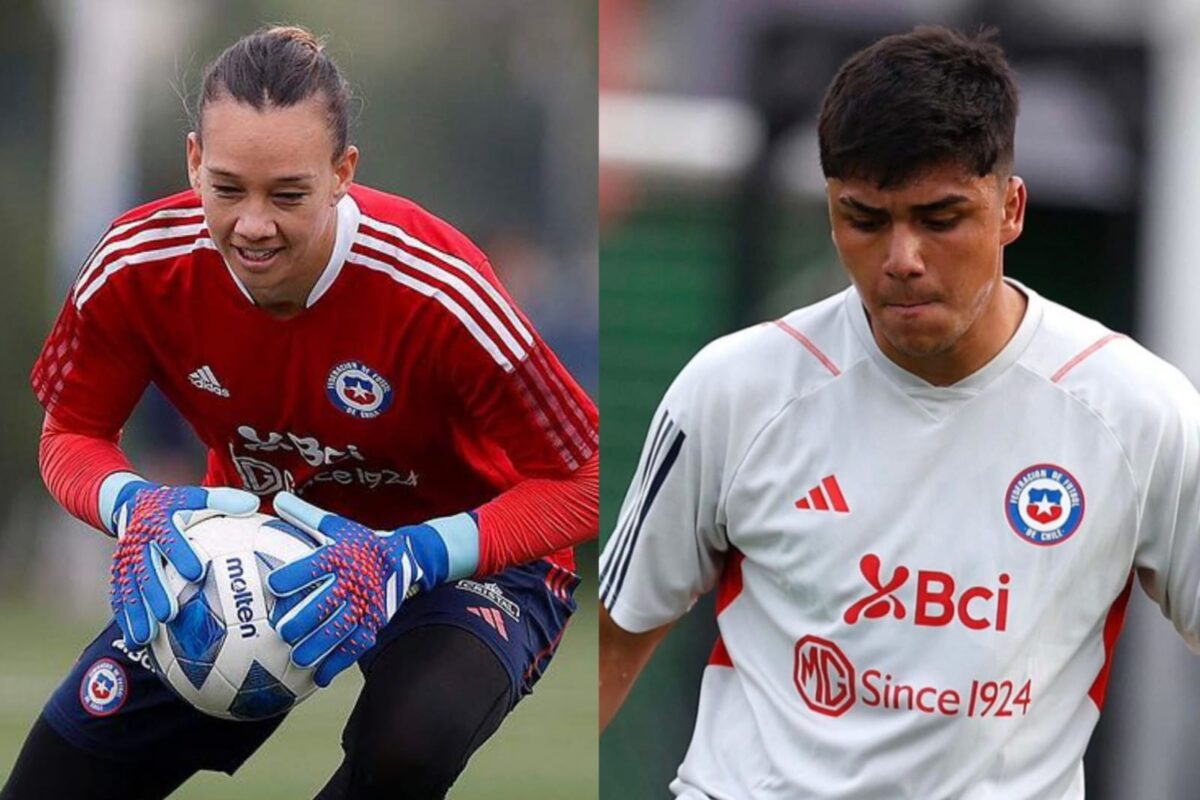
(104, 688)
(358, 390)
(1044, 504)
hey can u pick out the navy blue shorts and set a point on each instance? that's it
(113, 705)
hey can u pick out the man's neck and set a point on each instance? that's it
(989, 334)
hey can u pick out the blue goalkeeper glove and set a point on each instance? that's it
(358, 578)
(148, 520)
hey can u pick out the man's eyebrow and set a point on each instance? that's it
(224, 173)
(861, 208)
(949, 201)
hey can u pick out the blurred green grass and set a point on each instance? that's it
(546, 748)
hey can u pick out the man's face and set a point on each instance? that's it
(269, 186)
(925, 257)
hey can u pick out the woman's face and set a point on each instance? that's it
(270, 186)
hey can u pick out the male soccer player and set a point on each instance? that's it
(922, 501)
(332, 342)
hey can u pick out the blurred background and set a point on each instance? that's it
(712, 217)
(483, 111)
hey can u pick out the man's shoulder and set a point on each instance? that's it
(770, 363)
(1108, 370)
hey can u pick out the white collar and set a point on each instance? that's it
(972, 383)
(347, 225)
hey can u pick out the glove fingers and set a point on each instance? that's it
(201, 504)
(235, 502)
(151, 623)
(295, 575)
(139, 625)
(178, 550)
(156, 589)
(186, 518)
(126, 626)
(305, 515)
(345, 656)
(308, 615)
(324, 640)
(122, 619)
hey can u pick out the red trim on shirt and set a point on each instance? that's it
(731, 580)
(719, 657)
(73, 466)
(540, 518)
(1074, 362)
(809, 346)
(1112, 631)
(728, 590)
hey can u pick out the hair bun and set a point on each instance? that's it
(279, 66)
(297, 34)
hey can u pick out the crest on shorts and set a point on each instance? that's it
(104, 688)
(358, 390)
(1044, 504)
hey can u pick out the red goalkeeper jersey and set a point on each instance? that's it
(410, 386)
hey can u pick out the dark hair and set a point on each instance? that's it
(279, 66)
(917, 100)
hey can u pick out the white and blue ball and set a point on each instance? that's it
(221, 652)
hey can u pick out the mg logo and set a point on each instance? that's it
(824, 676)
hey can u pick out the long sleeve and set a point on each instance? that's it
(529, 420)
(73, 465)
(539, 516)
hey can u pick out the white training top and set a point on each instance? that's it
(919, 587)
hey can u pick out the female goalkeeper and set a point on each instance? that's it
(352, 363)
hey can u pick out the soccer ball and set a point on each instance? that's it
(221, 652)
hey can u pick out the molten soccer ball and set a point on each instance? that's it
(221, 652)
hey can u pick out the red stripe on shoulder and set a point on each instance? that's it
(1084, 354)
(809, 346)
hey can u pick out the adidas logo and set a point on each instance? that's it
(204, 378)
(492, 617)
(825, 497)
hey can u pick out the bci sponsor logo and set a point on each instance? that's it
(938, 601)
